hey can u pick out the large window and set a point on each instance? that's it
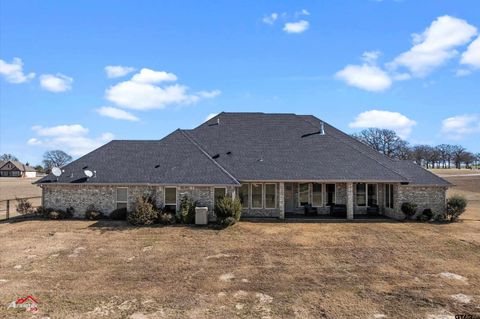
(243, 195)
(361, 194)
(330, 193)
(257, 196)
(219, 193)
(170, 199)
(316, 194)
(367, 194)
(303, 194)
(389, 195)
(270, 195)
(122, 197)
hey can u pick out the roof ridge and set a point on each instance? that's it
(191, 140)
(355, 148)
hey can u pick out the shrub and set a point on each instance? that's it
(144, 213)
(409, 209)
(93, 214)
(228, 211)
(456, 205)
(24, 206)
(166, 218)
(186, 213)
(119, 214)
(69, 213)
(427, 212)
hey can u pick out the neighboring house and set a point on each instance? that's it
(275, 163)
(16, 169)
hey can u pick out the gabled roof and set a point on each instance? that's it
(19, 165)
(173, 160)
(234, 147)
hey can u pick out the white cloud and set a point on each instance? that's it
(395, 121)
(463, 72)
(73, 139)
(366, 77)
(116, 71)
(472, 55)
(117, 114)
(435, 45)
(151, 76)
(270, 19)
(457, 127)
(371, 57)
(13, 72)
(210, 116)
(296, 27)
(140, 93)
(56, 83)
(303, 12)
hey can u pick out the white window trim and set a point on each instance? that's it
(121, 201)
(265, 196)
(165, 195)
(322, 202)
(309, 194)
(248, 196)
(366, 194)
(388, 199)
(335, 194)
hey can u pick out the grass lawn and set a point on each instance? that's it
(106, 269)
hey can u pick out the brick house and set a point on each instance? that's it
(16, 169)
(277, 164)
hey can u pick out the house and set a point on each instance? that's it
(16, 169)
(275, 163)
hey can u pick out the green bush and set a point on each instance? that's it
(144, 212)
(166, 218)
(228, 211)
(426, 215)
(93, 213)
(409, 209)
(186, 213)
(456, 206)
(119, 214)
(24, 206)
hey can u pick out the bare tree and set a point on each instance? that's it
(384, 141)
(55, 158)
(458, 152)
(419, 154)
(8, 157)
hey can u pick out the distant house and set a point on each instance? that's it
(16, 169)
(278, 165)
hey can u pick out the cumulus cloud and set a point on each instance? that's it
(435, 45)
(142, 91)
(271, 18)
(366, 77)
(296, 27)
(471, 56)
(457, 127)
(56, 83)
(117, 114)
(73, 139)
(13, 72)
(395, 121)
(116, 71)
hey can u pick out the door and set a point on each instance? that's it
(289, 206)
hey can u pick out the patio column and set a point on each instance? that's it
(349, 200)
(281, 200)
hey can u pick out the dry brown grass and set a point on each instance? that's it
(86, 269)
(454, 171)
(11, 187)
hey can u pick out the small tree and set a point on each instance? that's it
(24, 206)
(186, 213)
(39, 169)
(409, 209)
(456, 206)
(228, 211)
(144, 213)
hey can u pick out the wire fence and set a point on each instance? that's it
(8, 207)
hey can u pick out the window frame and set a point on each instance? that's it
(247, 204)
(299, 203)
(121, 201)
(321, 195)
(262, 195)
(389, 196)
(376, 194)
(366, 194)
(334, 194)
(165, 196)
(274, 198)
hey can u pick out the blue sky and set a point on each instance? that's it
(412, 66)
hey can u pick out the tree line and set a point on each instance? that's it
(55, 158)
(441, 156)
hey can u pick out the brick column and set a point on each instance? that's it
(281, 200)
(349, 200)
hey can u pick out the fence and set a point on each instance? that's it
(8, 207)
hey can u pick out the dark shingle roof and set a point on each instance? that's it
(235, 147)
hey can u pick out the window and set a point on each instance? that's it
(219, 193)
(170, 201)
(303, 194)
(389, 195)
(243, 195)
(122, 197)
(330, 192)
(372, 194)
(270, 195)
(361, 194)
(316, 194)
(257, 195)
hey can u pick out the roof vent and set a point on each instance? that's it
(216, 156)
(229, 153)
(322, 128)
(157, 166)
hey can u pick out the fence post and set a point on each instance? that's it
(8, 208)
